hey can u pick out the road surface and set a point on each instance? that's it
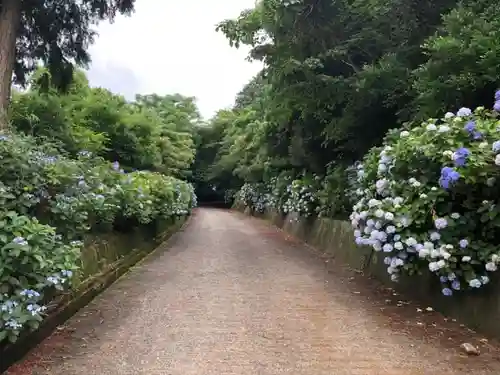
(230, 294)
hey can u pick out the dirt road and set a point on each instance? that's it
(231, 295)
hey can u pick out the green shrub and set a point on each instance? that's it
(48, 202)
(333, 198)
(33, 258)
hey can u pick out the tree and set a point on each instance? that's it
(55, 33)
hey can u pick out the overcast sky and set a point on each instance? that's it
(168, 47)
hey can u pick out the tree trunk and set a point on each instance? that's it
(10, 19)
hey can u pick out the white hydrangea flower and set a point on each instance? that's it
(448, 154)
(374, 203)
(423, 253)
(491, 267)
(410, 241)
(433, 266)
(398, 200)
(434, 253)
(385, 159)
(404, 134)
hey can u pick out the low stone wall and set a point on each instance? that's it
(104, 259)
(477, 309)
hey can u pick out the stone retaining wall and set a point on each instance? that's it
(478, 309)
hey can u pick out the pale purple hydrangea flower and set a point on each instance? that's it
(464, 112)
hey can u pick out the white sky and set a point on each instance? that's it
(170, 46)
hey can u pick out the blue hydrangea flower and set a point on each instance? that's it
(447, 292)
(455, 284)
(460, 156)
(448, 176)
(463, 243)
(497, 95)
(496, 106)
(470, 127)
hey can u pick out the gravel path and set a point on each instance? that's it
(233, 295)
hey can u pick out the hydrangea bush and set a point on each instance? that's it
(253, 196)
(33, 258)
(278, 191)
(428, 199)
(48, 202)
(282, 194)
(301, 198)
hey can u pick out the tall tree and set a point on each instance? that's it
(55, 33)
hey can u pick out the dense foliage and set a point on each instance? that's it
(339, 77)
(151, 132)
(55, 34)
(428, 199)
(84, 162)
